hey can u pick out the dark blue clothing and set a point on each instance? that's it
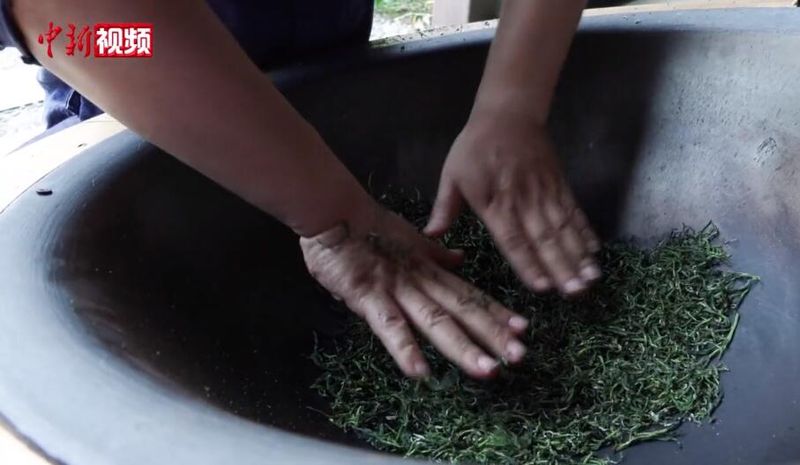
(272, 32)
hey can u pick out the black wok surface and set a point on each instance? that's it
(147, 316)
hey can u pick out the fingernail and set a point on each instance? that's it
(517, 322)
(573, 285)
(487, 363)
(422, 370)
(429, 230)
(515, 351)
(591, 272)
(457, 255)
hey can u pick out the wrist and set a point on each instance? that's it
(323, 194)
(506, 115)
(520, 105)
(351, 207)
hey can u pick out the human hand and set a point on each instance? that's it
(395, 279)
(506, 170)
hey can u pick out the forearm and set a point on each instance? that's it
(200, 98)
(531, 44)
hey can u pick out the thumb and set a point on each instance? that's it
(445, 210)
(448, 259)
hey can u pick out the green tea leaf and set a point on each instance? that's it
(628, 362)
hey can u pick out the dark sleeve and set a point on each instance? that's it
(10, 35)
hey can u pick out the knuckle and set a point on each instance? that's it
(533, 277)
(579, 218)
(562, 221)
(500, 335)
(466, 347)
(497, 310)
(406, 345)
(514, 241)
(474, 303)
(387, 324)
(434, 315)
(552, 259)
(358, 280)
(358, 296)
(549, 249)
(545, 236)
(467, 306)
(391, 320)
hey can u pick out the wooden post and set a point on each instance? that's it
(452, 12)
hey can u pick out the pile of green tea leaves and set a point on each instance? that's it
(628, 362)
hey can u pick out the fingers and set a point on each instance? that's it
(386, 282)
(484, 319)
(585, 230)
(441, 329)
(387, 322)
(576, 246)
(446, 208)
(517, 323)
(546, 239)
(431, 248)
(578, 253)
(546, 245)
(515, 245)
(559, 233)
(543, 235)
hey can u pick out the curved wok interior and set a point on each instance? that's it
(140, 293)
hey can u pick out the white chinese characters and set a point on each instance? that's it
(123, 40)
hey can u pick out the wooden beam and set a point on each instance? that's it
(645, 6)
(452, 12)
(457, 12)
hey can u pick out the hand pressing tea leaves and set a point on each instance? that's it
(628, 362)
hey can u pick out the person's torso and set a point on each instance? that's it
(274, 32)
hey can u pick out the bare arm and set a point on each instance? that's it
(503, 163)
(201, 99)
(525, 60)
